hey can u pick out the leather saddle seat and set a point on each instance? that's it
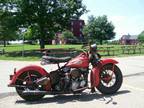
(56, 59)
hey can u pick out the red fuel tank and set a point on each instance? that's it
(81, 61)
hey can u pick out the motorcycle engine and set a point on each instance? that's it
(78, 79)
(70, 79)
(75, 73)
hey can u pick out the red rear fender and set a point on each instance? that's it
(21, 71)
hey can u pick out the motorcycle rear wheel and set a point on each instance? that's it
(103, 87)
(22, 81)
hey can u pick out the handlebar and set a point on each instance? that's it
(90, 47)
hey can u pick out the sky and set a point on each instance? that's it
(126, 15)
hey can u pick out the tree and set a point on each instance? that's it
(99, 28)
(30, 33)
(67, 35)
(7, 28)
(141, 37)
(46, 16)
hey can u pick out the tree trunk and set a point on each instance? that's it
(101, 42)
(4, 43)
(42, 37)
(42, 43)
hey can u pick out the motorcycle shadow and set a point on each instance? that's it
(84, 97)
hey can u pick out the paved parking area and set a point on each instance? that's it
(131, 94)
(125, 98)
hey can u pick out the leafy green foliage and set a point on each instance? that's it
(67, 35)
(30, 33)
(45, 17)
(141, 37)
(7, 26)
(99, 28)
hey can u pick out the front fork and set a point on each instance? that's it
(95, 76)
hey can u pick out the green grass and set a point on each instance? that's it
(11, 48)
(19, 48)
(14, 52)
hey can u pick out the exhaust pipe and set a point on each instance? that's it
(80, 89)
(34, 92)
(38, 92)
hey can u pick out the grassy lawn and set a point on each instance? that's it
(28, 57)
(11, 48)
(14, 52)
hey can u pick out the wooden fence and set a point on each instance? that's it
(125, 49)
(103, 50)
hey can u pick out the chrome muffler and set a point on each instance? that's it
(34, 92)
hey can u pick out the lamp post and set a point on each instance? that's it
(23, 45)
(22, 30)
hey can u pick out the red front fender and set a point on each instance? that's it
(94, 77)
(108, 61)
(31, 67)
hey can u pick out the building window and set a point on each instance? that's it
(80, 23)
(71, 23)
(72, 29)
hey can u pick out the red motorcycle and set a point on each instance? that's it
(33, 82)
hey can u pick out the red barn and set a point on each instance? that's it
(129, 39)
(76, 27)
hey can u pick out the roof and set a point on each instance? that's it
(125, 37)
(131, 37)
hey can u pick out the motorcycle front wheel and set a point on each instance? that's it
(26, 79)
(110, 79)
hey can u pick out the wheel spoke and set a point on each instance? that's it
(113, 81)
(29, 76)
(111, 84)
(20, 79)
(110, 78)
(112, 74)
